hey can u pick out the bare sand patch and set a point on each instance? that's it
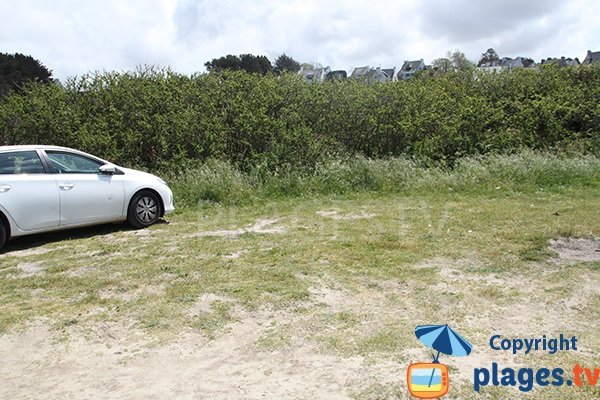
(30, 252)
(204, 303)
(335, 299)
(31, 268)
(455, 271)
(235, 255)
(81, 271)
(125, 235)
(334, 214)
(576, 249)
(130, 295)
(266, 225)
(113, 361)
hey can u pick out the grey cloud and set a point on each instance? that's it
(464, 20)
(186, 33)
(210, 19)
(526, 41)
(357, 35)
(196, 20)
(186, 19)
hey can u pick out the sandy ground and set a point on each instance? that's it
(116, 362)
(113, 360)
(576, 249)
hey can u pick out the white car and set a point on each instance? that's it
(46, 188)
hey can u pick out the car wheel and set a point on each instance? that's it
(144, 209)
(2, 235)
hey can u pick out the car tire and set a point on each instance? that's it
(2, 235)
(144, 209)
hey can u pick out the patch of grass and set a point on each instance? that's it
(379, 391)
(65, 323)
(536, 249)
(275, 337)
(389, 340)
(215, 321)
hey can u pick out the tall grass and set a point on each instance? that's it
(220, 182)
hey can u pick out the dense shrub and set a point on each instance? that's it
(159, 119)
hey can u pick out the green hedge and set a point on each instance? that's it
(158, 119)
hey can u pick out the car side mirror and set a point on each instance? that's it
(107, 169)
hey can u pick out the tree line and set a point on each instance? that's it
(253, 64)
(16, 70)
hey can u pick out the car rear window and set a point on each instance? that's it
(20, 162)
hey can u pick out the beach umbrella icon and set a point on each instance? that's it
(444, 340)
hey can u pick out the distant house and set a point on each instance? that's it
(360, 72)
(314, 75)
(410, 68)
(491, 66)
(380, 75)
(390, 73)
(591, 57)
(568, 62)
(518, 62)
(511, 63)
(336, 75)
(507, 64)
(561, 62)
(373, 75)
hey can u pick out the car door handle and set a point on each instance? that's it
(66, 186)
(5, 188)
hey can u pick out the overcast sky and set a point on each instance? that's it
(73, 37)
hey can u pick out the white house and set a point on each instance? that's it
(410, 68)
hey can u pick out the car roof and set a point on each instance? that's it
(48, 147)
(34, 147)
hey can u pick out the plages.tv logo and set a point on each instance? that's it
(429, 380)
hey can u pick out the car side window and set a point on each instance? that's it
(69, 163)
(20, 162)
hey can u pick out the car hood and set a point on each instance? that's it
(129, 171)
